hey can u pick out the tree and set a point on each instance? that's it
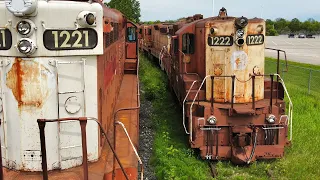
(270, 30)
(130, 8)
(280, 25)
(295, 25)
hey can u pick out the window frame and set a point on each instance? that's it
(188, 43)
(135, 34)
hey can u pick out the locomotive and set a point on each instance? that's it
(232, 110)
(65, 62)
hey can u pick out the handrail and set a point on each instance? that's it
(183, 111)
(290, 113)
(278, 58)
(190, 121)
(203, 81)
(1, 168)
(126, 109)
(83, 123)
(132, 145)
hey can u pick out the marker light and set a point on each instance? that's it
(212, 120)
(87, 19)
(271, 119)
(90, 19)
(26, 46)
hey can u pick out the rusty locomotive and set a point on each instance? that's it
(232, 110)
(65, 62)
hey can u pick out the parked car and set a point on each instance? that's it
(301, 36)
(310, 36)
(291, 35)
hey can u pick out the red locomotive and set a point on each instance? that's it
(215, 67)
(66, 62)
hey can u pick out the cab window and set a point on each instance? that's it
(188, 43)
(175, 46)
(131, 34)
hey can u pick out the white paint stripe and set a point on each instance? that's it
(289, 43)
(309, 44)
(274, 43)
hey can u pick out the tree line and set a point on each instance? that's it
(283, 26)
(131, 9)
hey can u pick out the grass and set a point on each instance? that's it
(173, 159)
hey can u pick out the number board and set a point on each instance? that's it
(257, 39)
(5, 39)
(220, 41)
(70, 39)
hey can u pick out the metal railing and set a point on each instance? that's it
(290, 110)
(83, 124)
(132, 145)
(212, 98)
(183, 110)
(127, 109)
(1, 170)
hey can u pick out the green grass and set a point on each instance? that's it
(173, 159)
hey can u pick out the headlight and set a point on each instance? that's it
(212, 120)
(240, 41)
(271, 119)
(24, 27)
(240, 33)
(26, 46)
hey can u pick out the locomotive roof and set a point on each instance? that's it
(201, 22)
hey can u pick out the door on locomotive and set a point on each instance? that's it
(131, 41)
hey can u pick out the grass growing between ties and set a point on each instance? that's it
(173, 159)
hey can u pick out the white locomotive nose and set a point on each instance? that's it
(21, 7)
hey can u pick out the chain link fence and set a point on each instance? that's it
(305, 79)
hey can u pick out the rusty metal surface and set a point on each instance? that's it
(23, 77)
(97, 171)
(127, 98)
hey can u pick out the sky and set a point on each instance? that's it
(152, 10)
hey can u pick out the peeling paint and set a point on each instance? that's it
(28, 81)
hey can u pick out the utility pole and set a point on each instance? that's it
(213, 8)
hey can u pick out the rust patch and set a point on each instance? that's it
(28, 81)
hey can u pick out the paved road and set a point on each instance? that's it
(299, 50)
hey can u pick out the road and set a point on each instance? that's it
(299, 50)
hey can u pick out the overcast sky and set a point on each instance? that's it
(272, 9)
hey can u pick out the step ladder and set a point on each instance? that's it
(71, 103)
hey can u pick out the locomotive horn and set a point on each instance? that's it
(241, 22)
